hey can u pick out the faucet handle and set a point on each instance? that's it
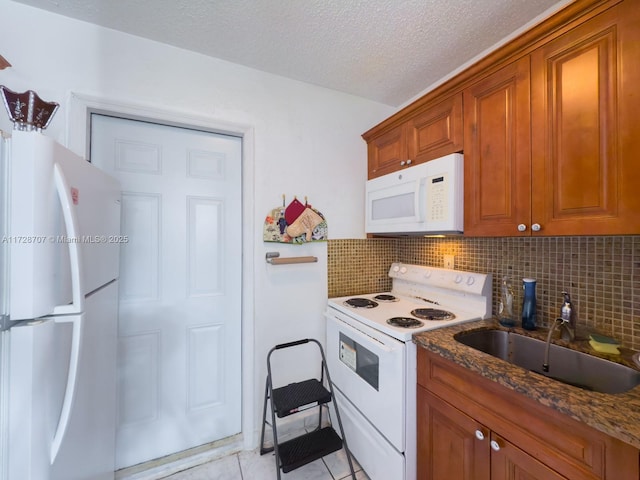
(566, 311)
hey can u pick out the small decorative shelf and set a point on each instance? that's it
(273, 259)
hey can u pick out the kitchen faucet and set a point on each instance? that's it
(567, 323)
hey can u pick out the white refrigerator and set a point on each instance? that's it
(59, 260)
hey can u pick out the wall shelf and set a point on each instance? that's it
(274, 259)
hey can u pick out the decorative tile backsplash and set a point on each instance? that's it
(602, 274)
(360, 266)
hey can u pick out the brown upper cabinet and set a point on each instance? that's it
(578, 174)
(388, 152)
(430, 133)
(497, 153)
(551, 132)
(437, 131)
(585, 127)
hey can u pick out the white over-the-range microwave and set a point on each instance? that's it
(426, 199)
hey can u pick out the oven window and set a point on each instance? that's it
(362, 361)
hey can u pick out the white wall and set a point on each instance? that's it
(306, 142)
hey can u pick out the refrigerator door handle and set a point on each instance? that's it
(70, 390)
(73, 241)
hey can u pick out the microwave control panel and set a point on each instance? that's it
(438, 198)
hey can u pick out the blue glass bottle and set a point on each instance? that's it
(529, 304)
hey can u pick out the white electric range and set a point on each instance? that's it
(372, 358)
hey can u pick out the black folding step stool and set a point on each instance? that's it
(294, 398)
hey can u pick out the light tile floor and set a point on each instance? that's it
(251, 465)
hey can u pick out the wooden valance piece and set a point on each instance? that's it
(3, 63)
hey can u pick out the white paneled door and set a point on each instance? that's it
(179, 382)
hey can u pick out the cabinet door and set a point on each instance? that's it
(497, 162)
(437, 131)
(388, 152)
(585, 127)
(508, 462)
(447, 443)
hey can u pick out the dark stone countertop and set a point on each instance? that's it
(617, 415)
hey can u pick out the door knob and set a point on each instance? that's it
(536, 227)
(522, 227)
(480, 434)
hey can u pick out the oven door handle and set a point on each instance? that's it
(363, 335)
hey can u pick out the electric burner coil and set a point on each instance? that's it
(432, 314)
(358, 302)
(405, 322)
(386, 297)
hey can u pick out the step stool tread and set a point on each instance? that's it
(307, 448)
(287, 400)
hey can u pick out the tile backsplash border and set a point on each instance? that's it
(602, 274)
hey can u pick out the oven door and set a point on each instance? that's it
(368, 367)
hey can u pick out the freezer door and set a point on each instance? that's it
(39, 273)
(94, 198)
(63, 226)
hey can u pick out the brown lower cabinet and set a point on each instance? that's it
(471, 428)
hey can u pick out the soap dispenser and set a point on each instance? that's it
(505, 313)
(529, 304)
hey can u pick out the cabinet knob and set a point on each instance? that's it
(409, 162)
(402, 163)
(479, 434)
(536, 227)
(496, 445)
(522, 227)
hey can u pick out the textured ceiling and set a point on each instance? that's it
(383, 50)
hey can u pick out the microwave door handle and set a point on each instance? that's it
(420, 198)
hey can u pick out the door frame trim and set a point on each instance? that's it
(81, 106)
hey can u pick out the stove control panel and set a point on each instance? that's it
(421, 275)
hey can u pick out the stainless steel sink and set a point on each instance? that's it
(565, 365)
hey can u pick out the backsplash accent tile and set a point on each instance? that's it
(602, 274)
(359, 266)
